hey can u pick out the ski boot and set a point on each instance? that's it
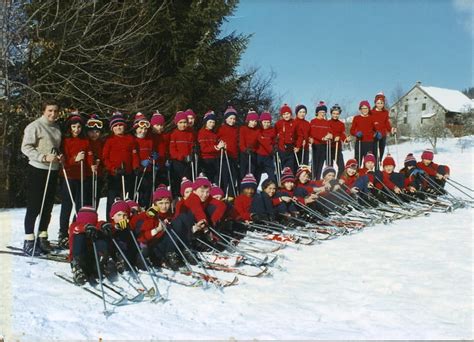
(189, 256)
(173, 261)
(78, 274)
(28, 248)
(119, 263)
(63, 240)
(44, 245)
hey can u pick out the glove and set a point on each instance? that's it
(119, 171)
(137, 171)
(145, 163)
(151, 212)
(359, 134)
(378, 135)
(154, 155)
(122, 224)
(106, 229)
(91, 232)
(416, 172)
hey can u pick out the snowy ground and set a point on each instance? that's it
(408, 280)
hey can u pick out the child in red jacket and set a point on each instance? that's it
(286, 135)
(364, 129)
(381, 119)
(302, 134)
(338, 130)
(210, 148)
(77, 164)
(266, 141)
(161, 141)
(320, 137)
(229, 134)
(242, 202)
(349, 177)
(120, 159)
(94, 129)
(248, 141)
(435, 175)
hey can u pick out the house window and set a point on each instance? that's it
(406, 108)
(405, 119)
(423, 106)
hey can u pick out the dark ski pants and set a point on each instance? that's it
(210, 167)
(287, 159)
(361, 149)
(339, 159)
(179, 169)
(146, 189)
(228, 181)
(66, 204)
(115, 189)
(265, 164)
(379, 150)
(319, 157)
(36, 181)
(245, 159)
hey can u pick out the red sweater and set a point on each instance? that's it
(207, 142)
(71, 147)
(194, 205)
(385, 180)
(145, 147)
(319, 129)
(242, 204)
(120, 149)
(286, 133)
(431, 170)
(142, 224)
(181, 144)
(96, 153)
(381, 121)
(248, 138)
(302, 132)
(364, 124)
(338, 129)
(161, 144)
(349, 181)
(230, 135)
(266, 141)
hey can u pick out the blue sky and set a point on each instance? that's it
(345, 50)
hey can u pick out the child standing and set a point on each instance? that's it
(160, 147)
(229, 134)
(266, 141)
(363, 128)
(210, 148)
(248, 140)
(302, 134)
(320, 136)
(382, 121)
(338, 130)
(286, 135)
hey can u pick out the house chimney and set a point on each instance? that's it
(418, 83)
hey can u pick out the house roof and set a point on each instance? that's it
(451, 100)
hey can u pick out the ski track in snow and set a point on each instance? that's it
(411, 279)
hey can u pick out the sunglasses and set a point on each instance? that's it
(143, 124)
(94, 124)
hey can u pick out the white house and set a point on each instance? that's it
(422, 105)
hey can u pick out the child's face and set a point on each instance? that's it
(191, 120)
(252, 123)
(210, 124)
(119, 216)
(321, 114)
(286, 116)
(388, 168)
(76, 129)
(182, 125)
(379, 104)
(187, 192)
(329, 177)
(351, 171)
(93, 134)
(118, 129)
(426, 162)
(304, 177)
(203, 193)
(335, 114)
(301, 113)
(369, 165)
(364, 110)
(266, 124)
(230, 120)
(288, 185)
(270, 190)
(249, 192)
(140, 132)
(217, 197)
(158, 129)
(163, 205)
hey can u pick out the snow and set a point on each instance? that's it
(452, 100)
(411, 279)
(427, 115)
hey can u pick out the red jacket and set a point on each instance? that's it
(144, 149)
(71, 147)
(364, 124)
(118, 150)
(248, 138)
(381, 121)
(431, 170)
(207, 142)
(161, 144)
(181, 144)
(286, 133)
(96, 153)
(349, 181)
(338, 129)
(230, 135)
(302, 132)
(242, 204)
(142, 224)
(194, 205)
(266, 141)
(319, 128)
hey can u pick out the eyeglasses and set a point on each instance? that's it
(143, 124)
(93, 123)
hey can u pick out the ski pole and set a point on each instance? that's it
(137, 189)
(359, 159)
(220, 167)
(230, 173)
(459, 189)
(82, 183)
(296, 158)
(336, 156)
(250, 163)
(460, 184)
(99, 272)
(153, 175)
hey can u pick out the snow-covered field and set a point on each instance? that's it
(411, 279)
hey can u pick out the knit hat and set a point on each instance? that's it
(351, 163)
(410, 160)
(379, 96)
(369, 157)
(388, 160)
(328, 169)
(302, 169)
(248, 181)
(116, 119)
(251, 115)
(94, 123)
(139, 117)
(229, 112)
(210, 115)
(132, 204)
(285, 109)
(265, 116)
(299, 107)
(87, 214)
(287, 176)
(185, 184)
(161, 192)
(364, 103)
(119, 205)
(180, 116)
(321, 106)
(201, 181)
(74, 118)
(157, 119)
(427, 154)
(216, 191)
(189, 112)
(336, 107)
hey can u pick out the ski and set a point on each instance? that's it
(49, 257)
(176, 277)
(245, 270)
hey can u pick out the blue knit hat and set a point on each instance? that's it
(116, 119)
(210, 115)
(229, 112)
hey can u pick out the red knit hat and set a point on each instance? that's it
(157, 119)
(388, 160)
(265, 116)
(251, 115)
(119, 206)
(87, 215)
(352, 163)
(379, 96)
(180, 116)
(185, 184)
(190, 112)
(369, 157)
(285, 109)
(216, 191)
(287, 176)
(201, 181)
(364, 103)
(427, 154)
(132, 204)
(140, 117)
(302, 169)
(161, 192)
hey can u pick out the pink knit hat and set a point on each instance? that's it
(265, 116)
(161, 192)
(369, 157)
(180, 116)
(132, 204)
(189, 112)
(201, 181)
(216, 191)
(427, 154)
(185, 184)
(118, 206)
(364, 103)
(157, 119)
(87, 215)
(251, 115)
